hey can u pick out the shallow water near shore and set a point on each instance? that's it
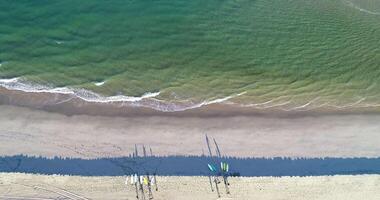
(297, 55)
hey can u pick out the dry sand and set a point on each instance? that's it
(34, 132)
(27, 186)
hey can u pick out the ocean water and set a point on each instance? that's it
(291, 54)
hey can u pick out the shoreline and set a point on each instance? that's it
(69, 105)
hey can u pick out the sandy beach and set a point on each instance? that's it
(281, 97)
(35, 132)
(28, 186)
(87, 133)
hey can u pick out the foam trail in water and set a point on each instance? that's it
(58, 42)
(303, 106)
(349, 105)
(276, 105)
(261, 104)
(174, 107)
(349, 3)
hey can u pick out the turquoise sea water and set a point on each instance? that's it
(291, 53)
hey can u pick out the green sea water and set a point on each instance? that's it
(292, 53)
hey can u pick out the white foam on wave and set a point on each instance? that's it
(268, 104)
(224, 99)
(19, 84)
(11, 80)
(261, 104)
(58, 42)
(3, 63)
(304, 105)
(275, 105)
(100, 83)
(349, 105)
(310, 105)
(86, 95)
(96, 98)
(172, 107)
(349, 3)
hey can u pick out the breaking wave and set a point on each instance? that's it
(147, 100)
(20, 85)
(152, 100)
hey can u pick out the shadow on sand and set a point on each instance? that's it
(190, 166)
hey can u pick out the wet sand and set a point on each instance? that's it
(48, 134)
(28, 186)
